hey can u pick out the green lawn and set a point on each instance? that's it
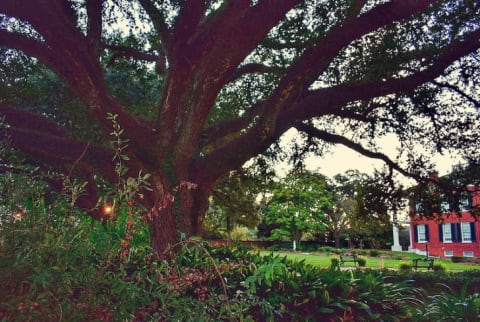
(386, 260)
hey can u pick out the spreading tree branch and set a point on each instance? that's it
(94, 24)
(159, 22)
(328, 100)
(325, 101)
(291, 96)
(317, 58)
(30, 46)
(457, 90)
(255, 68)
(338, 139)
(124, 51)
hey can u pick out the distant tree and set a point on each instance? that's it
(298, 205)
(376, 199)
(344, 206)
(234, 201)
(200, 87)
(447, 194)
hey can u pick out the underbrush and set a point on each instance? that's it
(70, 267)
(77, 269)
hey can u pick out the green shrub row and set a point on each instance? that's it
(76, 269)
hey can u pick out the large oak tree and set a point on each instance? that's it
(231, 77)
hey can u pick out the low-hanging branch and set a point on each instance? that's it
(338, 139)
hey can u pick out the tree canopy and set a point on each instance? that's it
(199, 87)
(298, 205)
(234, 202)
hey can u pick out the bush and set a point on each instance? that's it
(307, 247)
(405, 268)
(439, 268)
(329, 250)
(450, 306)
(429, 281)
(362, 252)
(78, 271)
(274, 247)
(334, 262)
(362, 262)
(457, 259)
(325, 249)
(374, 253)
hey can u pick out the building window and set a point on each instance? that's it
(461, 232)
(448, 253)
(445, 207)
(467, 254)
(446, 233)
(465, 203)
(466, 232)
(421, 233)
(418, 208)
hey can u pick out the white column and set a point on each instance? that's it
(411, 233)
(396, 240)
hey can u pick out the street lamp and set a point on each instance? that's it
(107, 210)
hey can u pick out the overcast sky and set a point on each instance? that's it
(341, 159)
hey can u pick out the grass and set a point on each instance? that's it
(388, 259)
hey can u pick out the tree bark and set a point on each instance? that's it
(336, 235)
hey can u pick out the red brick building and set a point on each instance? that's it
(449, 235)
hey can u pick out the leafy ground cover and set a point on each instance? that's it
(55, 268)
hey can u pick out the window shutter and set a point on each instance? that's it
(415, 233)
(454, 233)
(440, 232)
(472, 231)
(427, 233)
(458, 232)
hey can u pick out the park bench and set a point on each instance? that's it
(348, 258)
(424, 262)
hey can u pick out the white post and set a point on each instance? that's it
(396, 240)
(294, 245)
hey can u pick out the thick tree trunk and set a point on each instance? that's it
(336, 234)
(177, 213)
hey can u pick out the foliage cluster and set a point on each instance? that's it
(297, 205)
(450, 306)
(54, 268)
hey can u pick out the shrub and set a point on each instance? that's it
(457, 259)
(302, 292)
(450, 306)
(439, 268)
(362, 262)
(374, 253)
(274, 247)
(326, 249)
(334, 262)
(307, 247)
(405, 268)
(329, 249)
(362, 252)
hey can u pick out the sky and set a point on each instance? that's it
(340, 159)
